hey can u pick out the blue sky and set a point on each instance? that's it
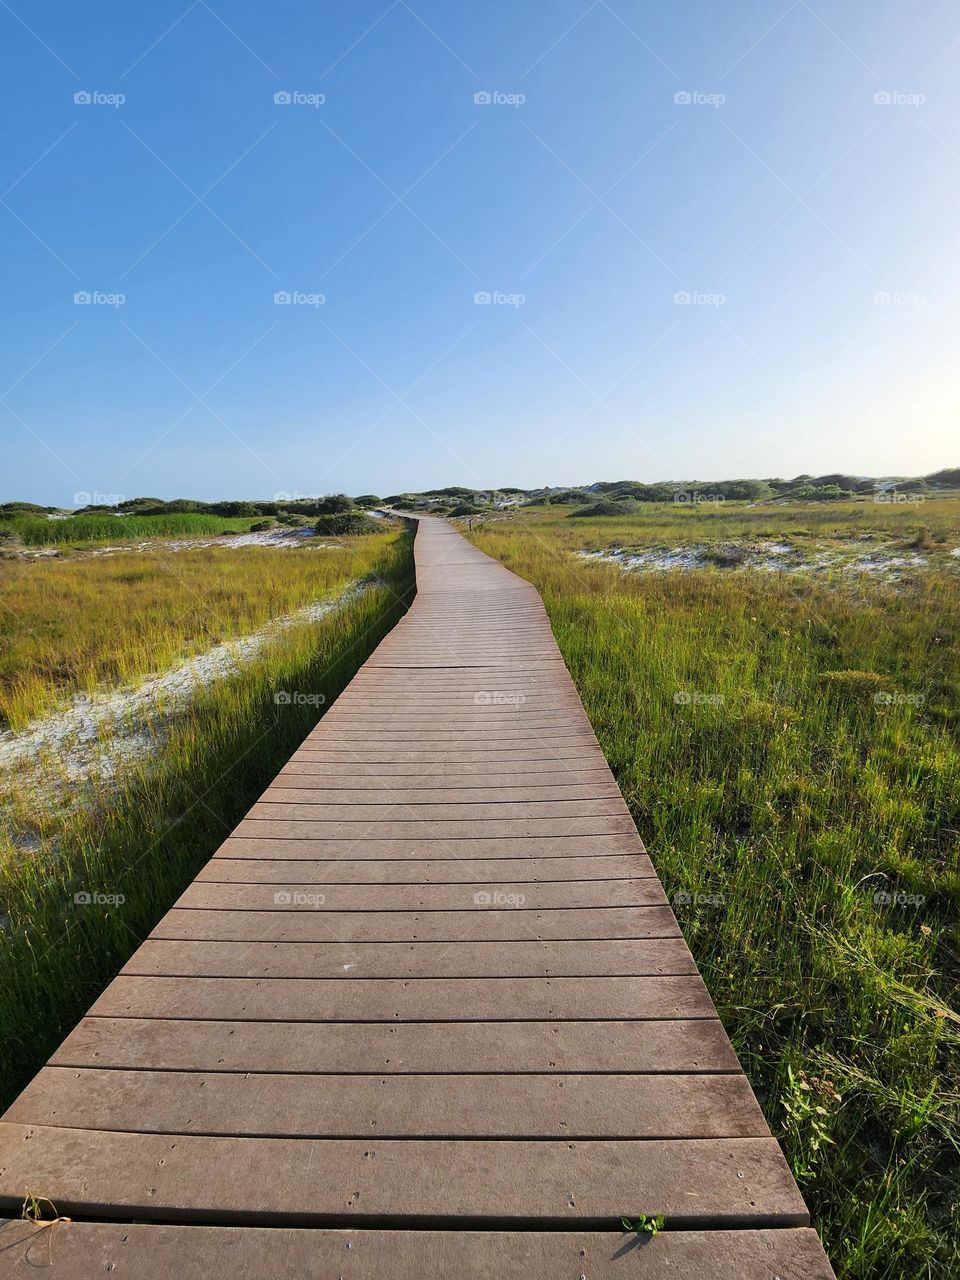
(718, 239)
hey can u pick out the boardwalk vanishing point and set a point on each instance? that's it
(426, 1013)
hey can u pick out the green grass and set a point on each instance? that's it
(79, 624)
(164, 821)
(38, 532)
(781, 789)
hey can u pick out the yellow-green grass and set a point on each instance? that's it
(788, 747)
(166, 816)
(78, 624)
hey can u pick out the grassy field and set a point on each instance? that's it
(788, 746)
(75, 625)
(37, 531)
(166, 817)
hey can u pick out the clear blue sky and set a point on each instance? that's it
(784, 210)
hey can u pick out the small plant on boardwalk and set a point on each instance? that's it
(644, 1225)
(34, 1210)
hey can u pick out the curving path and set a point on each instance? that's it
(426, 1013)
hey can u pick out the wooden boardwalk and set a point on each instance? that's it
(426, 1013)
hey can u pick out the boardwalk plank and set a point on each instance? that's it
(353, 960)
(424, 871)
(406, 1000)
(736, 1182)
(392, 1106)
(283, 925)
(150, 1252)
(477, 896)
(695, 1045)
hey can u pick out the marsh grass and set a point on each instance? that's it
(76, 625)
(35, 531)
(788, 747)
(161, 822)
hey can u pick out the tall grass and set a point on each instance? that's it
(788, 747)
(72, 626)
(37, 532)
(163, 821)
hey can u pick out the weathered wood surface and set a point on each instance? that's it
(427, 1012)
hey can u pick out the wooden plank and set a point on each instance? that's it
(406, 1000)
(491, 828)
(151, 1252)
(360, 779)
(353, 960)
(282, 925)
(302, 791)
(696, 1045)
(479, 896)
(695, 1183)
(571, 846)
(424, 871)
(307, 806)
(395, 1106)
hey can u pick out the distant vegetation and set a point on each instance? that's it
(32, 524)
(138, 519)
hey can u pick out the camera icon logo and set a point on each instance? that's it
(683, 98)
(83, 98)
(282, 898)
(483, 298)
(282, 98)
(483, 898)
(483, 99)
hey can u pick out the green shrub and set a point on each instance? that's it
(342, 523)
(606, 508)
